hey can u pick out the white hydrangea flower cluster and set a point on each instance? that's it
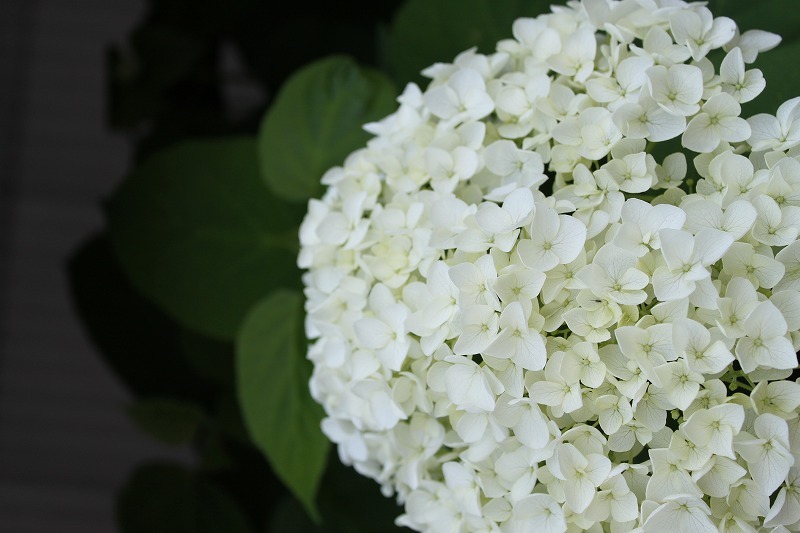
(616, 355)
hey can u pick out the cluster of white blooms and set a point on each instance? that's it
(615, 354)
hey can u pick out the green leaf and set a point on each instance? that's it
(783, 79)
(273, 375)
(167, 498)
(425, 32)
(199, 234)
(316, 121)
(168, 420)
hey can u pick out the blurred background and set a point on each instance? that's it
(87, 87)
(66, 444)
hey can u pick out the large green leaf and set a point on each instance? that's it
(273, 374)
(425, 32)
(316, 121)
(167, 498)
(199, 234)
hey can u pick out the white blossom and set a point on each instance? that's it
(700, 31)
(779, 132)
(743, 84)
(669, 477)
(641, 223)
(618, 353)
(786, 509)
(717, 475)
(554, 239)
(471, 386)
(646, 119)
(680, 383)
(576, 58)
(581, 474)
(752, 42)
(557, 389)
(717, 121)
(463, 98)
(677, 89)
(693, 342)
(681, 513)
(767, 456)
(516, 340)
(538, 512)
(715, 428)
(612, 274)
(479, 328)
(764, 342)
(687, 258)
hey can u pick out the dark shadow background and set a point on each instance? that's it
(66, 444)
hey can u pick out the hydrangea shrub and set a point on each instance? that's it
(559, 289)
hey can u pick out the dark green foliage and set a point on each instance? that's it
(139, 342)
(197, 232)
(170, 421)
(425, 32)
(316, 121)
(273, 374)
(168, 498)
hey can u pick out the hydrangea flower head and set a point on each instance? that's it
(523, 320)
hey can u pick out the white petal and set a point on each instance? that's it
(373, 333)
(738, 218)
(547, 393)
(700, 135)
(710, 245)
(467, 386)
(532, 429)
(493, 219)
(442, 101)
(519, 205)
(501, 157)
(675, 515)
(540, 513)
(579, 493)
(570, 240)
(788, 303)
(770, 468)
